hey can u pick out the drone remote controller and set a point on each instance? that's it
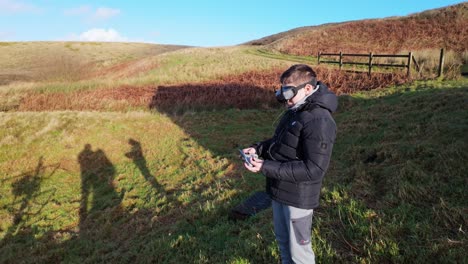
(247, 157)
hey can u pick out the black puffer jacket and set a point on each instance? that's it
(298, 155)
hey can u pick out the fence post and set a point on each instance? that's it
(410, 55)
(341, 59)
(416, 65)
(318, 58)
(441, 63)
(370, 64)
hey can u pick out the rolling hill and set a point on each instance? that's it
(433, 29)
(71, 61)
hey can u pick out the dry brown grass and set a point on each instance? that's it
(62, 67)
(442, 28)
(253, 89)
(346, 82)
(118, 99)
(429, 59)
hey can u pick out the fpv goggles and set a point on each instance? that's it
(286, 93)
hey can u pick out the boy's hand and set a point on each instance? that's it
(257, 165)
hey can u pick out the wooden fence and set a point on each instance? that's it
(409, 60)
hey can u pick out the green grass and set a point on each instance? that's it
(156, 193)
(202, 64)
(403, 159)
(158, 188)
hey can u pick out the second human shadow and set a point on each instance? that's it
(136, 155)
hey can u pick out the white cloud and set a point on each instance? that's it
(99, 34)
(103, 13)
(11, 6)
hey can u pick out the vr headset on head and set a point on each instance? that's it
(286, 93)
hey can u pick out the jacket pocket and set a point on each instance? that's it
(302, 229)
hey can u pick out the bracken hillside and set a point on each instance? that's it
(438, 28)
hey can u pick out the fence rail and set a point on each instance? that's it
(410, 60)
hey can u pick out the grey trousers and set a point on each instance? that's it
(293, 233)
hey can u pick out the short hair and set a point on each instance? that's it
(298, 74)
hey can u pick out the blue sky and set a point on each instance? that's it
(198, 23)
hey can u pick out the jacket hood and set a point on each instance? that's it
(323, 97)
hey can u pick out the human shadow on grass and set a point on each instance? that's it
(99, 208)
(144, 230)
(99, 211)
(24, 190)
(29, 201)
(136, 155)
(99, 202)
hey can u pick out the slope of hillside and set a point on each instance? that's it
(272, 38)
(432, 29)
(71, 61)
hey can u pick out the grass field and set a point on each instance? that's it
(144, 185)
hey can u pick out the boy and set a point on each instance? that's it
(296, 158)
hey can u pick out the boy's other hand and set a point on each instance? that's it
(256, 165)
